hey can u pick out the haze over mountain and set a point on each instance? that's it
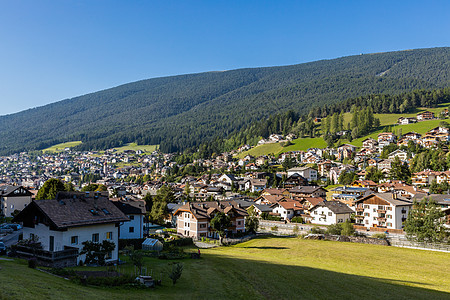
(183, 111)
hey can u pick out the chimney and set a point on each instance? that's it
(394, 196)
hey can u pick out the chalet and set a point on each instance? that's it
(405, 121)
(13, 198)
(426, 115)
(193, 218)
(324, 167)
(402, 155)
(386, 137)
(385, 164)
(370, 143)
(330, 212)
(295, 180)
(274, 191)
(258, 209)
(427, 176)
(256, 185)
(308, 191)
(387, 210)
(63, 224)
(135, 211)
(310, 202)
(287, 209)
(442, 200)
(344, 192)
(306, 172)
(269, 199)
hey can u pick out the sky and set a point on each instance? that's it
(55, 50)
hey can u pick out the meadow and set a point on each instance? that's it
(136, 147)
(264, 268)
(60, 147)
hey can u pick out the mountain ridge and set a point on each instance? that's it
(182, 111)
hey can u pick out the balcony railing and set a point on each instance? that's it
(47, 255)
(381, 211)
(382, 219)
(359, 208)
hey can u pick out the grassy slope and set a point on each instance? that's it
(62, 146)
(276, 148)
(135, 147)
(274, 268)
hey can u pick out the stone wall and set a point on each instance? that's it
(350, 239)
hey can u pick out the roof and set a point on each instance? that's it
(439, 198)
(150, 242)
(206, 210)
(72, 209)
(392, 198)
(131, 207)
(336, 207)
(7, 190)
(263, 208)
(305, 189)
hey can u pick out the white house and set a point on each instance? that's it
(135, 211)
(306, 172)
(402, 155)
(330, 212)
(13, 198)
(63, 224)
(287, 209)
(382, 210)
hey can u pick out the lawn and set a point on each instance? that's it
(276, 148)
(270, 268)
(135, 147)
(62, 146)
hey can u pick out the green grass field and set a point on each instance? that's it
(276, 148)
(135, 147)
(266, 268)
(62, 146)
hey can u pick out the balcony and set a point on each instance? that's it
(359, 216)
(359, 208)
(381, 211)
(381, 219)
(63, 258)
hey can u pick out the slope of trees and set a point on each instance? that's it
(180, 112)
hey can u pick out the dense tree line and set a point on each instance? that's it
(181, 112)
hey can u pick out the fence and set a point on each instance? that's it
(405, 243)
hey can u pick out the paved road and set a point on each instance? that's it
(11, 239)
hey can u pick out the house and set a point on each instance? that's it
(386, 136)
(426, 115)
(343, 192)
(330, 212)
(193, 219)
(384, 164)
(269, 199)
(385, 210)
(405, 121)
(135, 211)
(62, 225)
(258, 209)
(287, 209)
(310, 202)
(309, 173)
(275, 191)
(256, 185)
(295, 180)
(325, 167)
(402, 155)
(13, 198)
(370, 143)
(308, 191)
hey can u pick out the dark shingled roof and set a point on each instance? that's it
(131, 207)
(75, 209)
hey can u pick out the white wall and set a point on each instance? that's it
(12, 203)
(63, 238)
(138, 226)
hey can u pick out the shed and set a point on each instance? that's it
(152, 244)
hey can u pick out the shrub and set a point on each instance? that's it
(295, 230)
(32, 263)
(297, 219)
(334, 229)
(106, 281)
(274, 228)
(317, 230)
(379, 236)
(175, 272)
(347, 228)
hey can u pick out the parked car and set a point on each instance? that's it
(2, 248)
(14, 227)
(6, 229)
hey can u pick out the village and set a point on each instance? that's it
(111, 192)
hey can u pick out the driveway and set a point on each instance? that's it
(11, 238)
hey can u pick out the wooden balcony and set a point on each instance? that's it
(381, 219)
(381, 211)
(359, 208)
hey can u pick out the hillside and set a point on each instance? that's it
(266, 268)
(182, 111)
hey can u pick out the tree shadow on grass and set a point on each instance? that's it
(266, 247)
(263, 279)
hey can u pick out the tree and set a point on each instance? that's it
(347, 228)
(50, 188)
(96, 252)
(69, 187)
(175, 272)
(220, 223)
(251, 224)
(94, 187)
(425, 222)
(137, 258)
(159, 212)
(399, 170)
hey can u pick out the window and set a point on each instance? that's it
(109, 235)
(389, 224)
(367, 221)
(131, 217)
(202, 225)
(389, 216)
(95, 237)
(366, 215)
(374, 218)
(131, 229)
(374, 210)
(330, 214)
(366, 206)
(239, 222)
(74, 240)
(108, 255)
(315, 212)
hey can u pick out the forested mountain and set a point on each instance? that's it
(183, 111)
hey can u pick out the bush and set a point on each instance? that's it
(334, 229)
(106, 281)
(381, 236)
(274, 228)
(32, 263)
(347, 228)
(297, 219)
(317, 230)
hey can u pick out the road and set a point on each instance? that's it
(11, 239)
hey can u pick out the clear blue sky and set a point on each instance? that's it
(53, 50)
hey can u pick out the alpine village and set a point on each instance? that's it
(330, 197)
